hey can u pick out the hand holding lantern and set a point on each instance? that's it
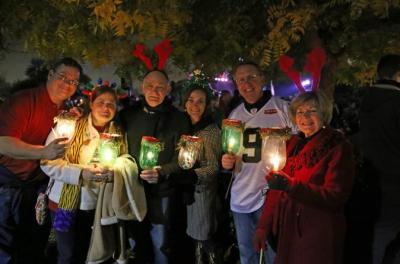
(189, 150)
(231, 136)
(274, 155)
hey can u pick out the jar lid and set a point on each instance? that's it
(231, 122)
(276, 131)
(150, 139)
(191, 138)
(108, 135)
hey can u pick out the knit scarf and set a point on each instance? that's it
(70, 194)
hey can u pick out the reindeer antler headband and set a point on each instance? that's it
(315, 61)
(163, 50)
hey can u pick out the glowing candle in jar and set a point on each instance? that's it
(150, 148)
(275, 160)
(231, 136)
(65, 127)
(108, 149)
(189, 149)
(274, 147)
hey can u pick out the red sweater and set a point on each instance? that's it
(308, 220)
(28, 115)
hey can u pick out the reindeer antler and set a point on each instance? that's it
(163, 50)
(139, 53)
(286, 64)
(315, 61)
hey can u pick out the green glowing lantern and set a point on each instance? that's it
(274, 147)
(231, 136)
(189, 150)
(108, 149)
(150, 148)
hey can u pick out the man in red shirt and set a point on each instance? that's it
(25, 121)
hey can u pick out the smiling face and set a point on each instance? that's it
(196, 105)
(62, 83)
(308, 118)
(104, 108)
(155, 88)
(249, 81)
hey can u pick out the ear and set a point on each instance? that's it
(169, 88)
(50, 74)
(396, 77)
(263, 78)
(142, 87)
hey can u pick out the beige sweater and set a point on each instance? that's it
(123, 199)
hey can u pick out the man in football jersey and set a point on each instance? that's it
(258, 110)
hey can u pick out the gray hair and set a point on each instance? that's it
(323, 104)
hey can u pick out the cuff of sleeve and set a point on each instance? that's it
(73, 176)
(163, 175)
(292, 183)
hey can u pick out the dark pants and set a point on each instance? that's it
(73, 245)
(387, 227)
(22, 240)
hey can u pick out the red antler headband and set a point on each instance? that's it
(286, 64)
(163, 50)
(315, 61)
(139, 53)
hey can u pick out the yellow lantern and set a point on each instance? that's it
(189, 150)
(65, 125)
(274, 147)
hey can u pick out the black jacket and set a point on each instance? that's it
(379, 130)
(164, 122)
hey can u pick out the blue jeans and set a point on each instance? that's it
(73, 245)
(386, 228)
(22, 240)
(245, 225)
(159, 236)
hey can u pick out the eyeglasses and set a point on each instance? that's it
(63, 78)
(247, 79)
(311, 112)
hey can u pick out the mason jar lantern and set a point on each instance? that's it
(274, 147)
(189, 150)
(108, 149)
(231, 136)
(150, 148)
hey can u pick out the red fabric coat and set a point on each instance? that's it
(308, 219)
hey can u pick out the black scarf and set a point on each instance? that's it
(260, 103)
(203, 123)
(161, 108)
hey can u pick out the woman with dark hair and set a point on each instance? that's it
(201, 213)
(76, 178)
(304, 208)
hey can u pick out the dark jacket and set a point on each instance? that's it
(379, 129)
(164, 122)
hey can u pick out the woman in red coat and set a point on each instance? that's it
(304, 206)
